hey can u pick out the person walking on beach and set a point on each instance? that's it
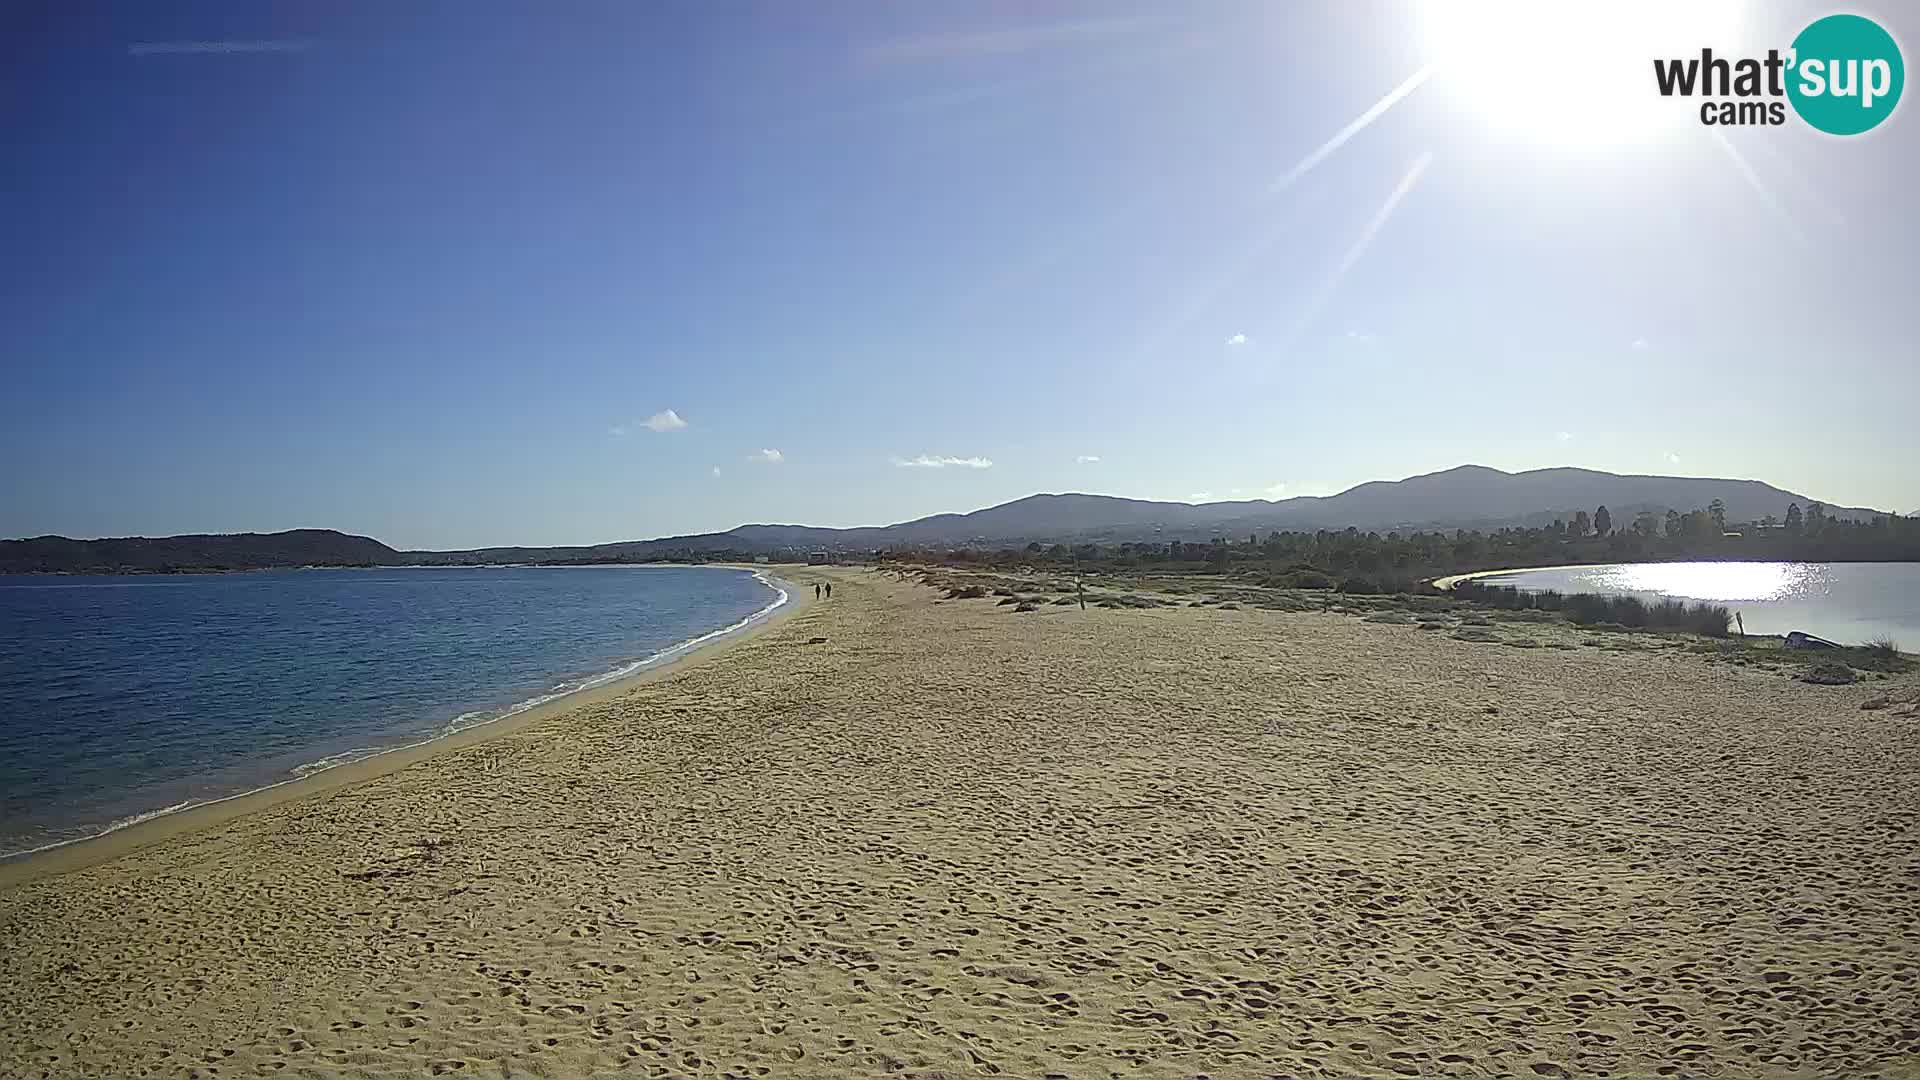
(829, 590)
(816, 590)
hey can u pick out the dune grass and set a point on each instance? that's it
(1594, 609)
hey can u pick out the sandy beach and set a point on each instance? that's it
(892, 835)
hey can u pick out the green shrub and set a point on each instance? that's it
(1629, 610)
(1587, 608)
(1829, 673)
(1623, 612)
(1713, 620)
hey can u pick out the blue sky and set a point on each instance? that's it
(426, 274)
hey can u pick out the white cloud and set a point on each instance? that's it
(926, 462)
(1087, 459)
(1673, 458)
(1563, 436)
(1237, 339)
(1640, 343)
(1274, 491)
(716, 470)
(664, 420)
(1200, 497)
(768, 457)
(1360, 336)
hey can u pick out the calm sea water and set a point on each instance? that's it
(125, 696)
(1846, 602)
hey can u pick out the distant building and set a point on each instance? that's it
(816, 558)
(763, 558)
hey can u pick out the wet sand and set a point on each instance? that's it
(955, 840)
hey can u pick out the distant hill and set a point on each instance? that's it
(238, 551)
(1474, 495)
(1470, 496)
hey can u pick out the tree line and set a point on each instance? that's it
(1396, 559)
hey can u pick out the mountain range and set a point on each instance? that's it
(1470, 496)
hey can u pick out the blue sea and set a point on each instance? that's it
(123, 697)
(1851, 603)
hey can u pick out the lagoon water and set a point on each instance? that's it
(1850, 603)
(123, 696)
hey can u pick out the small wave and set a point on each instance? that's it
(469, 720)
(332, 760)
(114, 827)
(135, 819)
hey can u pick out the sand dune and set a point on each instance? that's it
(954, 840)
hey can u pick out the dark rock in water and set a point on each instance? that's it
(1801, 640)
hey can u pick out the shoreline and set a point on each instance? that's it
(215, 570)
(1449, 581)
(162, 823)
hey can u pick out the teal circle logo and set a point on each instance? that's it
(1846, 75)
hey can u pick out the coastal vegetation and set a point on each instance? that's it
(1593, 609)
(1354, 561)
(1494, 615)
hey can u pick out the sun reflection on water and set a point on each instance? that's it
(1718, 581)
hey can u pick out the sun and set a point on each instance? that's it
(1568, 75)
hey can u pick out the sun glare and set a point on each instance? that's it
(1563, 74)
(1722, 582)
